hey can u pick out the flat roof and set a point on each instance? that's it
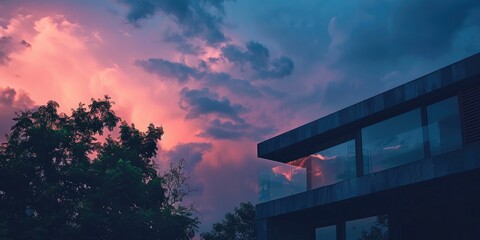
(342, 125)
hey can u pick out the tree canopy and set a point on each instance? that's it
(239, 225)
(379, 230)
(59, 181)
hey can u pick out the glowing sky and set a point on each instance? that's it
(221, 75)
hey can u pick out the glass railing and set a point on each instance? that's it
(326, 167)
(390, 143)
(281, 181)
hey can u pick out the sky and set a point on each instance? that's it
(222, 75)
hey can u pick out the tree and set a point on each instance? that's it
(379, 230)
(57, 181)
(239, 225)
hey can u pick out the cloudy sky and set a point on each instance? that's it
(222, 75)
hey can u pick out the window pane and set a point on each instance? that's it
(281, 181)
(326, 233)
(371, 228)
(444, 126)
(326, 167)
(393, 142)
(331, 165)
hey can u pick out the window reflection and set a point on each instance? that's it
(280, 181)
(331, 165)
(386, 144)
(326, 167)
(371, 228)
(393, 142)
(326, 233)
(444, 126)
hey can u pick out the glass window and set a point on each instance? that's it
(331, 165)
(444, 126)
(326, 167)
(393, 142)
(326, 233)
(371, 228)
(281, 181)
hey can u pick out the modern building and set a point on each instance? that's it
(404, 164)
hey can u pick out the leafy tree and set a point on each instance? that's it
(58, 181)
(379, 230)
(239, 225)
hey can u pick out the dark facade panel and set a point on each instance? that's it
(470, 100)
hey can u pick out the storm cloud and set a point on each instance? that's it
(374, 45)
(182, 73)
(204, 102)
(192, 153)
(219, 129)
(223, 119)
(202, 19)
(257, 56)
(11, 102)
(168, 69)
(9, 45)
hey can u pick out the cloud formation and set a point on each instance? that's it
(204, 102)
(9, 45)
(257, 56)
(11, 101)
(223, 118)
(375, 41)
(218, 129)
(168, 69)
(182, 73)
(403, 28)
(192, 152)
(201, 19)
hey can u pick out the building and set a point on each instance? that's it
(404, 164)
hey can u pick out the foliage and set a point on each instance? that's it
(177, 187)
(239, 225)
(57, 181)
(379, 230)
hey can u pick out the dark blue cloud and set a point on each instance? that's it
(375, 41)
(5, 48)
(9, 45)
(202, 18)
(400, 29)
(11, 102)
(164, 68)
(235, 85)
(257, 56)
(280, 68)
(192, 153)
(182, 44)
(203, 102)
(428, 28)
(219, 129)
(7, 95)
(182, 73)
(224, 120)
